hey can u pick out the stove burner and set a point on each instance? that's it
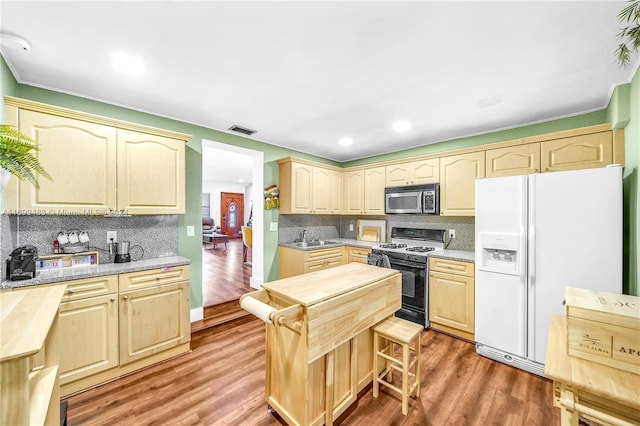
(420, 249)
(392, 246)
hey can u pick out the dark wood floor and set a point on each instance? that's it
(221, 382)
(224, 276)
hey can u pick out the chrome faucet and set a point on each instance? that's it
(304, 235)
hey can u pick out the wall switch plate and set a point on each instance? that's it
(112, 236)
(273, 226)
(452, 233)
(351, 227)
(191, 231)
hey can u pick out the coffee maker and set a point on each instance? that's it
(122, 252)
(21, 264)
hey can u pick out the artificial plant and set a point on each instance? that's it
(17, 155)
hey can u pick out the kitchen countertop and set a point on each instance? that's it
(48, 277)
(461, 255)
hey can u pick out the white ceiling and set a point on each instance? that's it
(305, 74)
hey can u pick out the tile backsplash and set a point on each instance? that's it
(332, 226)
(150, 236)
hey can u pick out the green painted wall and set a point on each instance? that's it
(631, 202)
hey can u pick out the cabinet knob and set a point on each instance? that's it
(546, 169)
(113, 299)
(535, 170)
(70, 291)
(125, 297)
(431, 275)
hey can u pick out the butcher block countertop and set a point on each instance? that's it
(315, 287)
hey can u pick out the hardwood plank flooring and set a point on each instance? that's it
(221, 382)
(224, 277)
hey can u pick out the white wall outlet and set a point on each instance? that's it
(191, 231)
(273, 226)
(112, 236)
(452, 233)
(351, 227)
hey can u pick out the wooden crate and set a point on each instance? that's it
(604, 328)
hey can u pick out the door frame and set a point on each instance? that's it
(257, 253)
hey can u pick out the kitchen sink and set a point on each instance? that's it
(304, 244)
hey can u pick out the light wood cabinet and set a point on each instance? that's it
(29, 325)
(151, 174)
(452, 297)
(357, 254)
(88, 337)
(364, 191)
(80, 157)
(309, 189)
(155, 317)
(513, 160)
(294, 262)
(98, 165)
(577, 152)
(458, 174)
(413, 173)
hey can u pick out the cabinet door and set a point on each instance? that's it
(374, 181)
(151, 174)
(354, 192)
(320, 191)
(81, 159)
(335, 189)
(578, 152)
(398, 174)
(513, 160)
(88, 337)
(451, 303)
(458, 174)
(153, 320)
(425, 171)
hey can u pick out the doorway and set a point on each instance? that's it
(231, 214)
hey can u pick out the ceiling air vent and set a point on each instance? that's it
(243, 130)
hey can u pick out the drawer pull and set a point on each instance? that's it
(70, 291)
(113, 299)
(125, 297)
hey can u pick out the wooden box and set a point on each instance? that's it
(604, 328)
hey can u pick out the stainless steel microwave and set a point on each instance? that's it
(416, 199)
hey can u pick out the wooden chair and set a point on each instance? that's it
(247, 243)
(398, 331)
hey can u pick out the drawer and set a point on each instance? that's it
(153, 277)
(313, 255)
(319, 265)
(90, 287)
(451, 266)
(357, 254)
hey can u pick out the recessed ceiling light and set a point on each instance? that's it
(14, 42)
(128, 64)
(401, 126)
(345, 141)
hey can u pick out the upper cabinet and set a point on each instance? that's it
(99, 166)
(309, 189)
(413, 173)
(364, 191)
(458, 174)
(572, 150)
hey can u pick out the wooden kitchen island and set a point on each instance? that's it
(319, 339)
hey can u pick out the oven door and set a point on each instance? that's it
(414, 290)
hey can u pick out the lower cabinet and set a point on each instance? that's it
(106, 332)
(294, 262)
(452, 297)
(357, 254)
(88, 337)
(153, 320)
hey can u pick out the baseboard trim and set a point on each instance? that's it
(197, 314)
(255, 283)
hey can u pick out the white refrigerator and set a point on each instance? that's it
(536, 235)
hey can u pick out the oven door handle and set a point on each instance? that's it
(406, 263)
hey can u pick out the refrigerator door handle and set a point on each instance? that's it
(531, 267)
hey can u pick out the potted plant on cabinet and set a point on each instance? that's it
(17, 157)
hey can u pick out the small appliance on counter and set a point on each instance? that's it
(122, 252)
(21, 264)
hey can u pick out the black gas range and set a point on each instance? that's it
(408, 253)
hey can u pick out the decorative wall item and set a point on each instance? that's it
(271, 197)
